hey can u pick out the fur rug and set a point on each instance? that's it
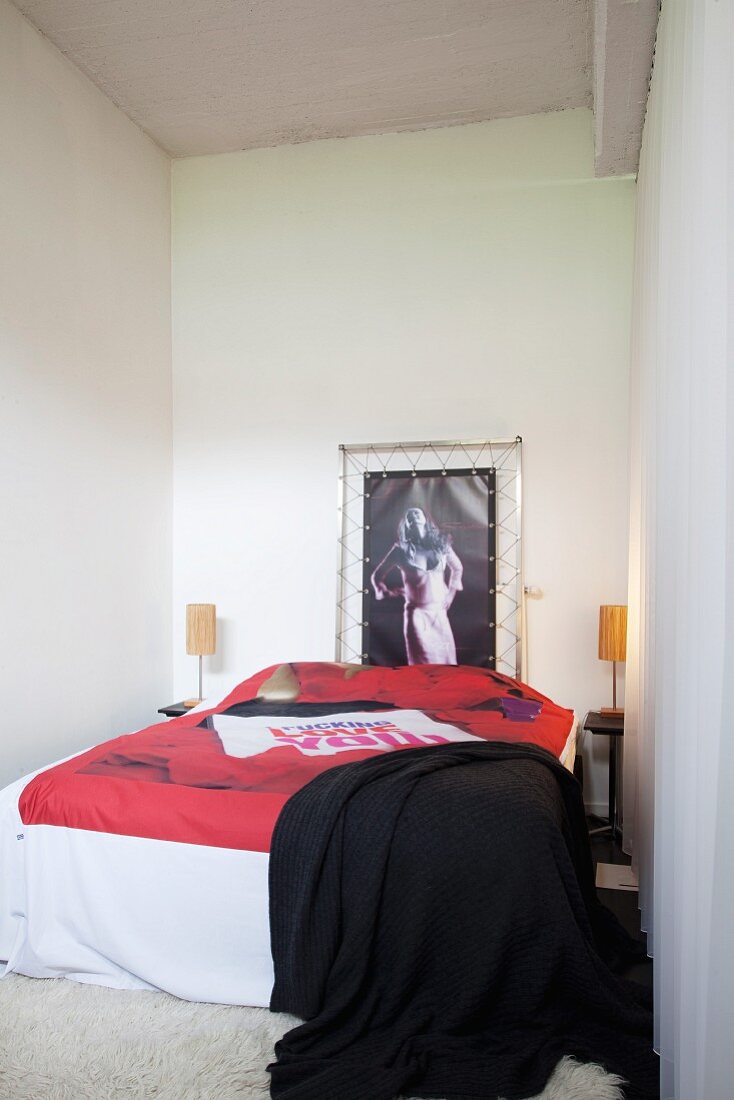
(60, 1040)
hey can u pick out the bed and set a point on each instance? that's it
(142, 863)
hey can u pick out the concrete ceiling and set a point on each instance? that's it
(211, 76)
(624, 43)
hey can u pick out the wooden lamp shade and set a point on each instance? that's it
(613, 644)
(201, 637)
(612, 632)
(201, 629)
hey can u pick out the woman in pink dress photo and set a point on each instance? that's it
(430, 572)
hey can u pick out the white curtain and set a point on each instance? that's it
(679, 732)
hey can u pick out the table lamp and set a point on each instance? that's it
(201, 636)
(613, 645)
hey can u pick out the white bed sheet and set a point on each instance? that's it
(568, 756)
(135, 913)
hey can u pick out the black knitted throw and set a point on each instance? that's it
(434, 920)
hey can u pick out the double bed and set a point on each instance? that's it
(143, 862)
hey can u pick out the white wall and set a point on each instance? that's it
(85, 416)
(446, 284)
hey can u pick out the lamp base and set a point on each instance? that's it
(613, 711)
(189, 703)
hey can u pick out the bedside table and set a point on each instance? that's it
(176, 710)
(611, 726)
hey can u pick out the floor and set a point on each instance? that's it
(623, 903)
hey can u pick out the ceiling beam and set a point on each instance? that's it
(624, 43)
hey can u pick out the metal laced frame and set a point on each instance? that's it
(504, 456)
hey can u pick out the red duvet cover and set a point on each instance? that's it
(221, 777)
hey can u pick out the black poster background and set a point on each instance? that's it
(462, 504)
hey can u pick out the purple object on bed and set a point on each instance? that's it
(520, 710)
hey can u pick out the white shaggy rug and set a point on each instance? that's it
(63, 1041)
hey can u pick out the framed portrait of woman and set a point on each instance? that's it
(429, 567)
